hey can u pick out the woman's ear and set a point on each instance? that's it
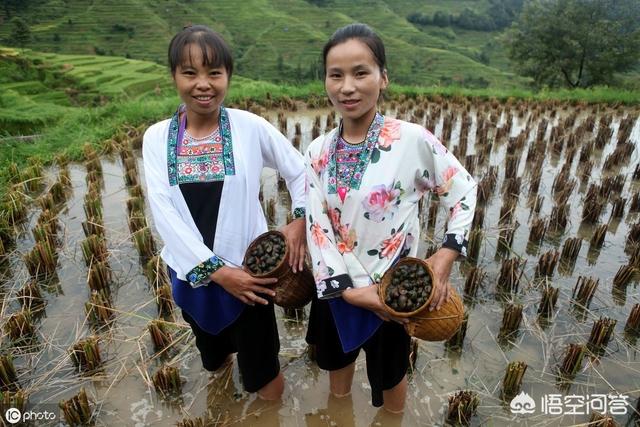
(385, 80)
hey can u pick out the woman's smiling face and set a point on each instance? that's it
(202, 88)
(353, 79)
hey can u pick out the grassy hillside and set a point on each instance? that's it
(277, 40)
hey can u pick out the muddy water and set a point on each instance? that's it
(122, 392)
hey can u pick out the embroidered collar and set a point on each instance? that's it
(176, 133)
(363, 159)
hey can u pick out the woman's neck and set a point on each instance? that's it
(200, 125)
(355, 131)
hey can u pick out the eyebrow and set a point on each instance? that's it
(355, 67)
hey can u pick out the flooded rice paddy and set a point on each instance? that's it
(555, 180)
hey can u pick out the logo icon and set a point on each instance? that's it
(13, 415)
(522, 404)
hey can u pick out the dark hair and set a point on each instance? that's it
(215, 51)
(361, 32)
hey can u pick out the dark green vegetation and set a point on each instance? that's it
(576, 43)
(281, 40)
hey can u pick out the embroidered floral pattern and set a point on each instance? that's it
(203, 270)
(200, 160)
(363, 159)
(203, 169)
(381, 201)
(299, 213)
(318, 235)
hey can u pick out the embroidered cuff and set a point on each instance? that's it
(457, 242)
(199, 275)
(333, 287)
(299, 213)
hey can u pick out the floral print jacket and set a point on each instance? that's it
(355, 236)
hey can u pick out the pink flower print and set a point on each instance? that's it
(447, 180)
(347, 239)
(334, 218)
(449, 173)
(317, 234)
(425, 183)
(389, 133)
(319, 163)
(390, 246)
(380, 201)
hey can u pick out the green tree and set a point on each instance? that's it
(575, 43)
(20, 32)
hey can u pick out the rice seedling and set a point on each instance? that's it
(19, 326)
(41, 261)
(32, 178)
(475, 277)
(14, 399)
(192, 422)
(617, 210)
(99, 277)
(512, 380)
(559, 218)
(99, 308)
(77, 410)
(13, 173)
(571, 249)
(600, 420)
(144, 242)
(93, 206)
(131, 178)
(85, 354)
(135, 205)
(164, 299)
(547, 263)
(505, 239)
(601, 334)
(93, 227)
(455, 343)
(537, 230)
(30, 297)
(156, 273)
(475, 242)
(137, 221)
(462, 406)
(548, 302)
(42, 234)
(633, 321)
(623, 276)
(57, 193)
(8, 375)
(94, 249)
(584, 290)
(633, 236)
(167, 381)
(572, 361)
(478, 218)
(136, 191)
(160, 335)
(597, 239)
(536, 205)
(634, 259)
(15, 207)
(506, 211)
(511, 319)
(634, 205)
(510, 274)
(46, 202)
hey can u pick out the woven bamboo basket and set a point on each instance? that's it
(437, 325)
(293, 290)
